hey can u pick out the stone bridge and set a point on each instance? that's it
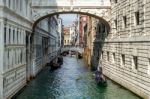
(77, 49)
(96, 8)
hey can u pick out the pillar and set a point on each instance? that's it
(18, 37)
(24, 37)
(7, 34)
(10, 59)
(7, 2)
(1, 2)
(15, 41)
(13, 58)
(28, 56)
(1, 56)
(11, 35)
(16, 56)
(5, 59)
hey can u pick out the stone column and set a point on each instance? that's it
(18, 37)
(29, 43)
(13, 58)
(15, 5)
(24, 37)
(6, 3)
(28, 9)
(18, 3)
(15, 41)
(21, 36)
(24, 56)
(5, 60)
(1, 2)
(13, 35)
(8, 59)
(7, 34)
(16, 56)
(12, 42)
(1, 44)
(1, 55)
(25, 11)
(28, 56)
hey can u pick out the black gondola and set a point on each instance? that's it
(100, 79)
(79, 56)
(60, 60)
(54, 65)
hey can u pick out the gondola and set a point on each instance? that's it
(60, 60)
(54, 65)
(100, 79)
(79, 56)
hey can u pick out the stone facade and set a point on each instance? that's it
(46, 43)
(83, 27)
(21, 47)
(60, 31)
(73, 34)
(125, 54)
(15, 23)
(67, 39)
(70, 35)
(42, 8)
(101, 32)
(94, 34)
(90, 37)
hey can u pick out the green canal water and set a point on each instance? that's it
(72, 81)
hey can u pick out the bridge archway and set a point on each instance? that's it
(46, 8)
(96, 8)
(76, 49)
(103, 18)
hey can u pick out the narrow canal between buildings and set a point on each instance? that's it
(72, 81)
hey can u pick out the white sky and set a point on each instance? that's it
(68, 18)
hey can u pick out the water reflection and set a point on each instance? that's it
(72, 81)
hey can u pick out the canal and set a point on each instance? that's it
(72, 81)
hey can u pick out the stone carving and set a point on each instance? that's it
(41, 9)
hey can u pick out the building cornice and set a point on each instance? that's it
(14, 17)
(8, 10)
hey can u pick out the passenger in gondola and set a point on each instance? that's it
(60, 60)
(99, 77)
(54, 64)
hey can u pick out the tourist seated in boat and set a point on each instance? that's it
(54, 64)
(99, 77)
(79, 55)
(60, 60)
